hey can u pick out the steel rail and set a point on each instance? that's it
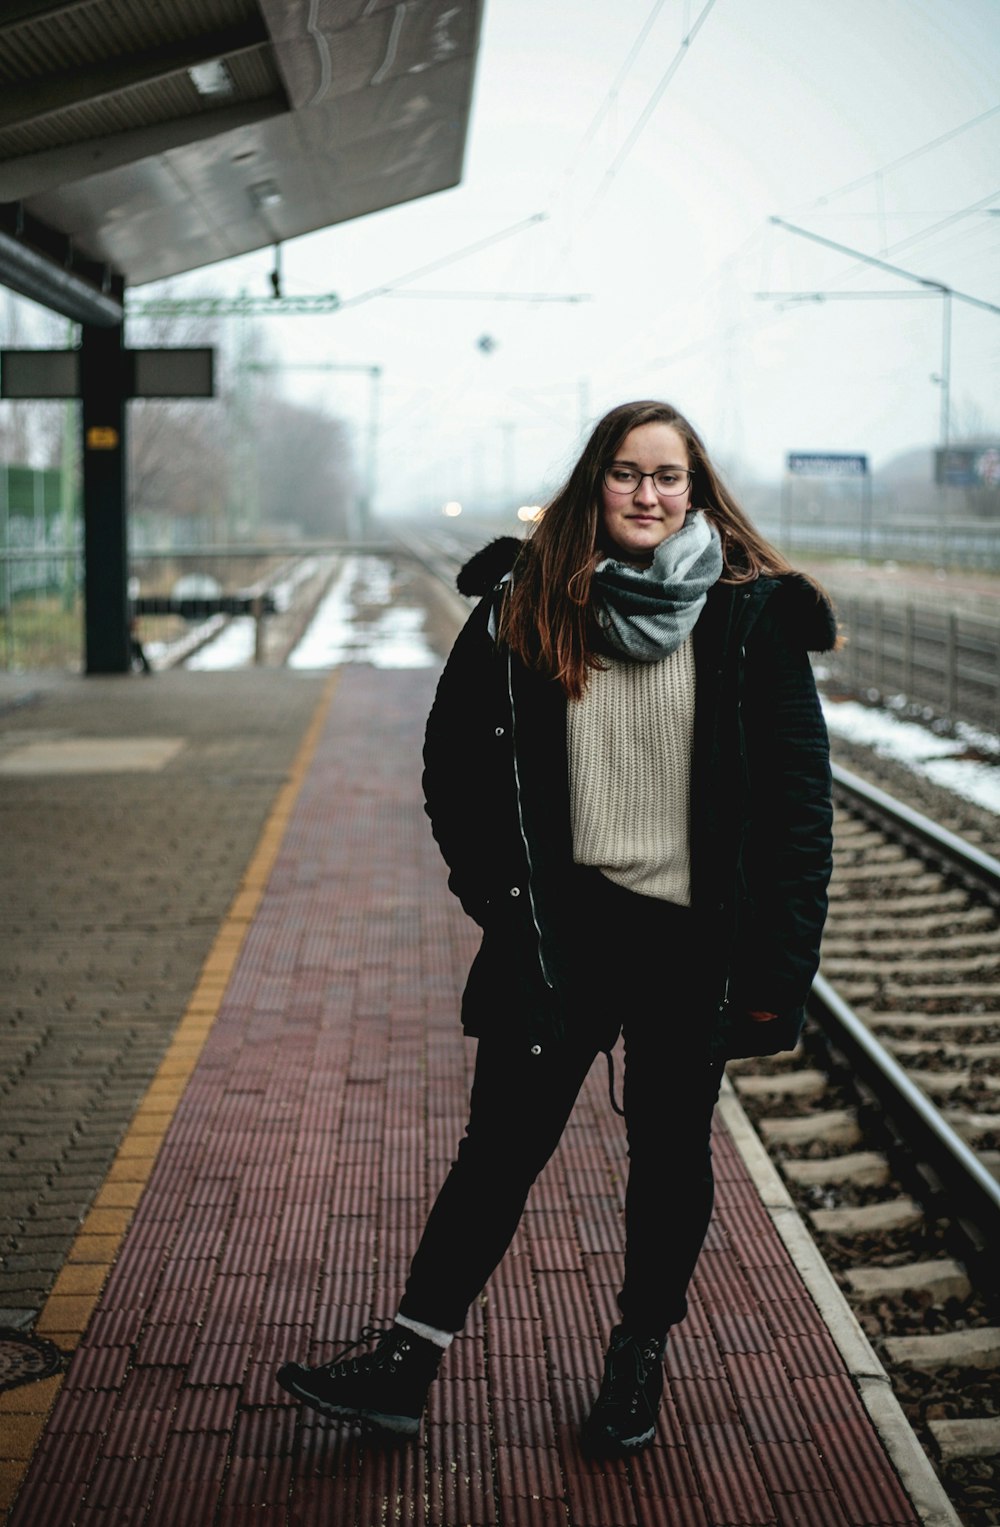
(973, 862)
(924, 1127)
(920, 1122)
(431, 554)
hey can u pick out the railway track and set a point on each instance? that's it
(886, 1122)
(441, 553)
(294, 587)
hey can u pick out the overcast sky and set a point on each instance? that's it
(825, 114)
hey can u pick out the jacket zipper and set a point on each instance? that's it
(520, 819)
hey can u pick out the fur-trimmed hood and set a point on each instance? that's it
(485, 568)
(806, 607)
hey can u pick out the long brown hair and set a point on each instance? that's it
(546, 617)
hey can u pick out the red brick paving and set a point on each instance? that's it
(289, 1194)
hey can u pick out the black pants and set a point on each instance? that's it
(641, 954)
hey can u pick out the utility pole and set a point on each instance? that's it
(241, 500)
(945, 378)
(929, 287)
(508, 427)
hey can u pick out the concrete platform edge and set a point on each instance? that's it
(914, 1468)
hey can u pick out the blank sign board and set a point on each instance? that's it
(181, 373)
(39, 374)
(175, 373)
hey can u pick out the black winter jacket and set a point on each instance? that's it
(496, 791)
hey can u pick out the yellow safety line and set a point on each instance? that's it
(25, 1410)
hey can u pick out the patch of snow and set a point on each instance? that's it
(329, 631)
(338, 633)
(976, 782)
(283, 591)
(170, 654)
(924, 752)
(232, 648)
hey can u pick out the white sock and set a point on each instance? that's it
(429, 1333)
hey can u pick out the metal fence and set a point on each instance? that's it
(969, 545)
(41, 609)
(41, 595)
(943, 662)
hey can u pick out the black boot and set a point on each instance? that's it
(623, 1418)
(386, 1387)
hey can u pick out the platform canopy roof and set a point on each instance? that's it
(142, 138)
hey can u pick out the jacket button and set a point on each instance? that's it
(536, 1049)
(515, 890)
(498, 732)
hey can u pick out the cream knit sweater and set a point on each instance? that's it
(629, 743)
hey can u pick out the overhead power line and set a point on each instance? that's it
(322, 302)
(449, 259)
(498, 296)
(927, 285)
(944, 222)
(612, 92)
(651, 104)
(940, 287)
(844, 296)
(895, 164)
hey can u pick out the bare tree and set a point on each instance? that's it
(178, 460)
(248, 459)
(177, 449)
(304, 474)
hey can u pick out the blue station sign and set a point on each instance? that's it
(824, 464)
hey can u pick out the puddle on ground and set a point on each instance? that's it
(366, 616)
(232, 648)
(362, 620)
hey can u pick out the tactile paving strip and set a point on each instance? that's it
(288, 1194)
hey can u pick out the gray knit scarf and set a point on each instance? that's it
(645, 613)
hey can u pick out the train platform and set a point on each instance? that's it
(234, 1078)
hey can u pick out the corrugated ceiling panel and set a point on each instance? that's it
(254, 75)
(58, 44)
(155, 179)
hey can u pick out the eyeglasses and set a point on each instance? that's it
(668, 480)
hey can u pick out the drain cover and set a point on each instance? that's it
(24, 1358)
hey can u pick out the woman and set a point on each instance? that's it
(627, 772)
